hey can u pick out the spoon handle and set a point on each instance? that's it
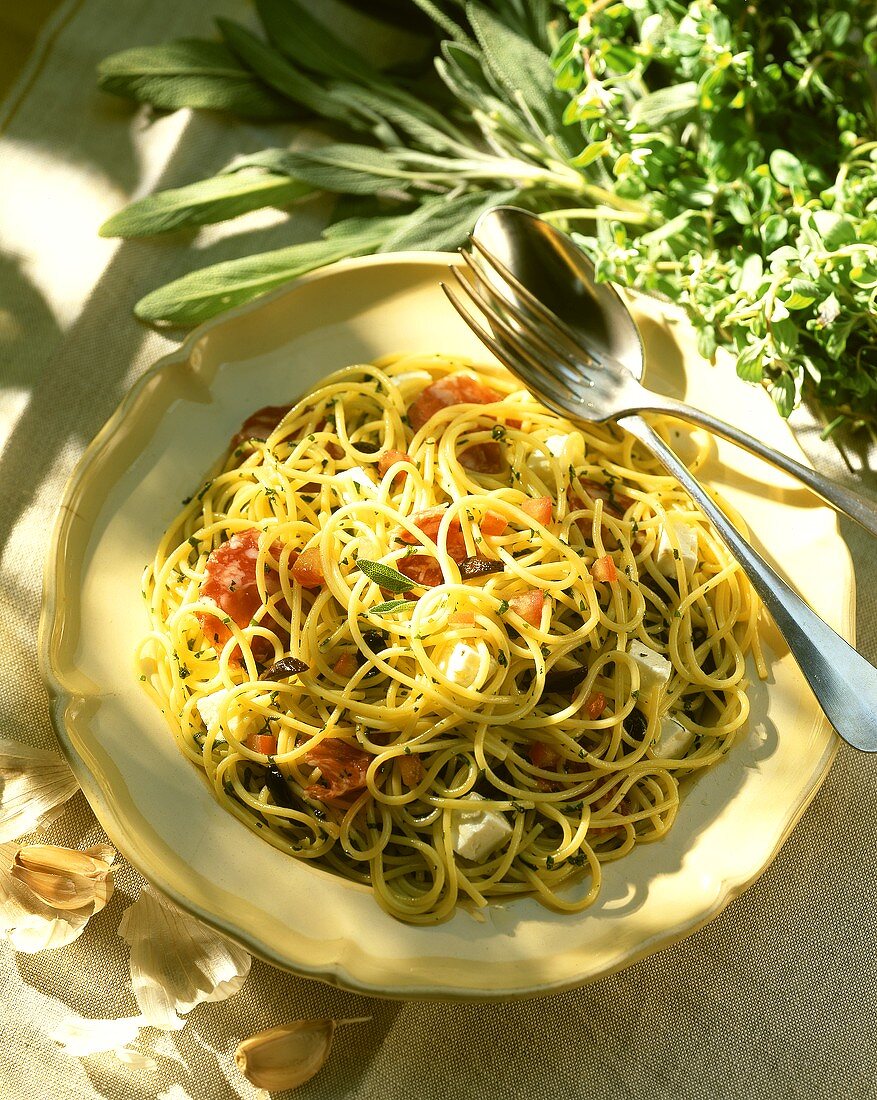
(852, 504)
(844, 683)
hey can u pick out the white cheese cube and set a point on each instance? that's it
(476, 833)
(654, 670)
(462, 664)
(686, 538)
(568, 449)
(353, 485)
(673, 740)
(210, 706)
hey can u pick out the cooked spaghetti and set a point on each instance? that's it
(420, 631)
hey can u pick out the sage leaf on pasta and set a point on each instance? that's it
(216, 199)
(392, 607)
(385, 576)
(190, 73)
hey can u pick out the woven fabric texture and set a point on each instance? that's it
(776, 999)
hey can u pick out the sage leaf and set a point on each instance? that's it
(418, 121)
(443, 224)
(203, 203)
(190, 73)
(204, 293)
(524, 72)
(391, 607)
(384, 575)
(348, 169)
(310, 43)
(276, 71)
(443, 20)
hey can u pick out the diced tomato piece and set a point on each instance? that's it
(462, 618)
(423, 569)
(231, 584)
(539, 508)
(411, 769)
(390, 458)
(261, 424)
(261, 742)
(483, 458)
(604, 569)
(595, 704)
(343, 769)
(529, 605)
(429, 522)
(346, 665)
(456, 389)
(492, 523)
(308, 568)
(543, 756)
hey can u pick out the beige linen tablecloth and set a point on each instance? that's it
(776, 998)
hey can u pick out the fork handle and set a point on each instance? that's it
(844, 683)
(852, 504)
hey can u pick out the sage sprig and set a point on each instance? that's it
(436, 152)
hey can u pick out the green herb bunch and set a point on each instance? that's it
(747, 132)
(713, 152)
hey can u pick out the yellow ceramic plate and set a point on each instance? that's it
(156, 807)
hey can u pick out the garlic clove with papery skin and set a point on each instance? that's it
(28, 921)
(34, 785)
(65, 878)
(176, 961)
(285, 1057)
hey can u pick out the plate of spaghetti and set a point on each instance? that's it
(374, 663)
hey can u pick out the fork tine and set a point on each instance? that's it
(568, 365)
(517, 365)
(532, 302)
(518, 339)
(514, 339)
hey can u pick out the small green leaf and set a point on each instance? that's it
(391, 607)
(204, 203)
(786, 168)
(384, 575)
(665, 105)
(190, 73)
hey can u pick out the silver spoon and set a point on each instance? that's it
(844, 683)
(562, 278)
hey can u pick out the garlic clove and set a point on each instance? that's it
(176, 961)
(285, 1057)
(28, 922)
(34, 785)
(64, 878)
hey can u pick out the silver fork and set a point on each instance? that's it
(600, 387)
(844, 683)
